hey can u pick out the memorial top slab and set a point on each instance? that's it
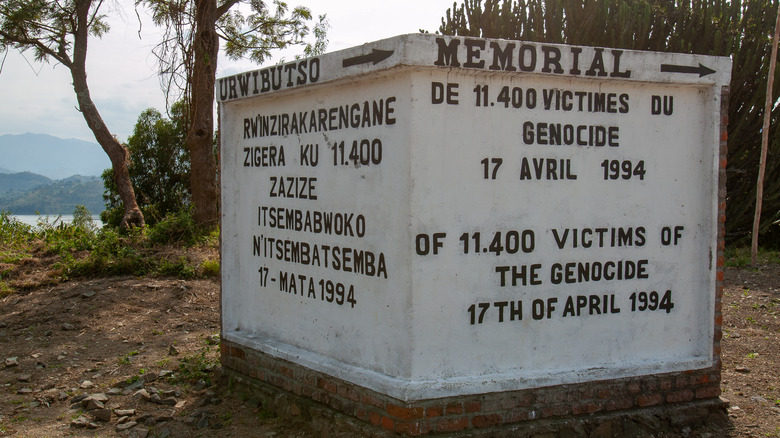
(487, 55)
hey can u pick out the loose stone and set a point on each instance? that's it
(139, 432)
(125, 412)
(102, 414)
(84, 422)
(142, 393)
(92, 404)
(98, 397)
(125, 426)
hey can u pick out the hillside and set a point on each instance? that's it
(22, 182)
(52, 157)
(56, 197)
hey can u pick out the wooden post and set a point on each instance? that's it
(764, 141)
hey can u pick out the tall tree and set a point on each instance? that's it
(60, 30)
(188, 63)
(741, 29)
(159, 169)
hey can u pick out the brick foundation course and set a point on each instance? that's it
(652, 401)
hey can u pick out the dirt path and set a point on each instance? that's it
(149, 347)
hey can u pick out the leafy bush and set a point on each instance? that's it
(110, 253)
(81, 249)
(159, 169)
(178, 227)
(13, 233)
(179, 268)
(210, 268)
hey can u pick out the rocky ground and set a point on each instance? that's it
(138, 357)
(751, 351)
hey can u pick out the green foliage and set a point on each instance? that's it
(177, 268)
(159, 167)
(46, 27)
(14, 235)
(258, 33)
(81, 249)
(21, 182)
(55, 197)
(82, 218)
(110, 253)
(739, 257)
(5, 289)
(252, 30)
(125, 359)
(210, 268)
(177, 227)
(199, 366)
(740, 29)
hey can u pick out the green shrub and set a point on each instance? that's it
(175, 228)
(210, 268)
(85, 250)
(178, 268)
(5, 290)
(110, 253)
(739, 257)
(199, 366)
(13, 233)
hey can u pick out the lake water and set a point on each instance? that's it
(32, 219)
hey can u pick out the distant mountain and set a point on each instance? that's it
(50, 156)
(22, 182)
(52, 197)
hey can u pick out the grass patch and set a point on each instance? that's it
(178, 268)
(125, 360)
(199, 366)
(5, 289)
(740, 257)
(210, 268)
(81, 249)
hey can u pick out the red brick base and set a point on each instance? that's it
(675, 397)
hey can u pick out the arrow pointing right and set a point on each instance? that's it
(701, 70)
(375, 56)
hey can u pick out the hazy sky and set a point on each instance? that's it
(39, 98)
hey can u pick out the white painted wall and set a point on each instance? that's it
(420, 332)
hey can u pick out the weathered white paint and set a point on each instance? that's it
(410, 335)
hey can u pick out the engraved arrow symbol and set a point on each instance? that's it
(701, 70)
(375, 56)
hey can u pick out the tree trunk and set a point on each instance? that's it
(116, 152)
(764, 143)
(203, 176)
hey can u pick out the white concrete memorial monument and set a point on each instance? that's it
(430, 216)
